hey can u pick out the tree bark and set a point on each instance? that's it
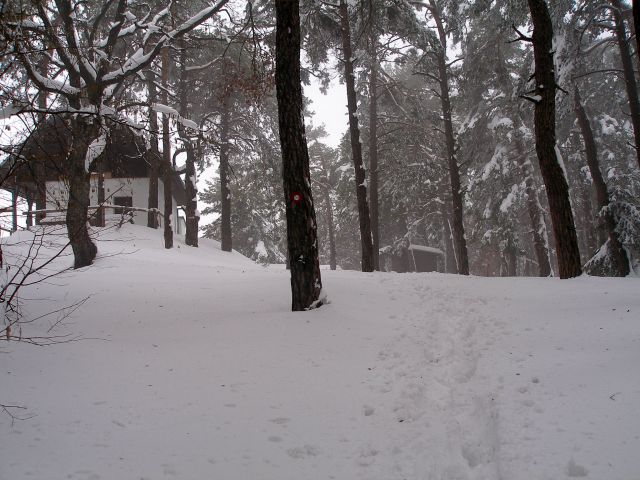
(83, 131)
(459, 241)
(618, 253)
(29, 211)
(167, 168)
(366, 242)
(636, 26)
(629, 74)
(564, 230)
(14, 208)
(39, 167)
(373, 140)
(225, 191)
(153, 156)
(191, 189)
(302, 242)
(100, 214)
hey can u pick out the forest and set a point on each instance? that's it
(459, 236)
(503, 133)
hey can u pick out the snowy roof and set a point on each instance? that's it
(422, 248)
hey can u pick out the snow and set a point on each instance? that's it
(422, 248)
(188, 123)
(165, 109)
(6, 112)
(507, 202)
(608, 125)
(95, 149)
(261, 250)
(561, 162)
(192, 366)
(497, 122)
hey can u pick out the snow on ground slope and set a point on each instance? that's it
(192, 367)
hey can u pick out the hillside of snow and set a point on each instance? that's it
(188, 364)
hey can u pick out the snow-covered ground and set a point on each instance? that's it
(191, 366)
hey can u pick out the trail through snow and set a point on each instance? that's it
(192, 367)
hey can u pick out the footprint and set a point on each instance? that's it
(303, 452)
(280, 420)
(575, 470)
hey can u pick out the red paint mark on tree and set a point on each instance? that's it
(296, 197)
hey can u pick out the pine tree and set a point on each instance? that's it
(302, 242)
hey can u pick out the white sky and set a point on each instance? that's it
(330, 109)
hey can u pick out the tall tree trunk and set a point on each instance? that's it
(14, 208)
(636, 26)
(373, 139)
(555, 181)
(191, 189)
(511, 258)
(618, 253)
(29, 211)
(629, 74)
(366, 242)
(83, 131)
(330, 221)
(225, 191)
(153, 156)
(459, 241)
(593, 236)
(302, 241)
(167, 168)
(39, 167)
(100, 214)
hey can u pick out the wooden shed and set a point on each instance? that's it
(404, 257)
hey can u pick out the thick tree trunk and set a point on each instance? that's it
(167, 168)
(100, 216)
(618, 253)
(41, 194)
(593, 236)
(366, 242)
(302, 242)
(83, 131)
(191, 201)
(629, 74)
(14, 209)
(555, 182)
(459, 241)
(29, 211)
(39, 167)
(153, 156)
(636, 26)
(225, 191)
(510, 254)
(190, 186)
(373, 142)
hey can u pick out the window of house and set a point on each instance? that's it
(122, 202)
